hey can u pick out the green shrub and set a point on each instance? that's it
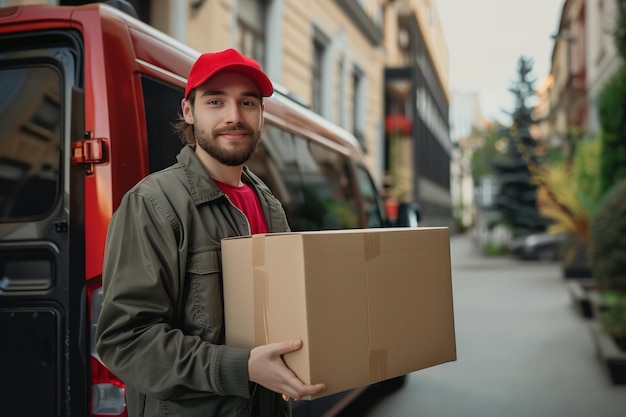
(612, 115)
(613, 316)
(608, 239)
(495, 249)
(586, 169)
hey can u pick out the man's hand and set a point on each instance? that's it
(267, 368)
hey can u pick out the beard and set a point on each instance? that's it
(235, 156)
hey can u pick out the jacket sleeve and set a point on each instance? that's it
(142, 281)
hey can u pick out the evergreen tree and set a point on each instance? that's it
(517, 196)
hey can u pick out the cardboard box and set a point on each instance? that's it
(369, 304)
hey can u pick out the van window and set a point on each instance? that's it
(328, 188)
(162, 105)
(313, 183)
(30, 140)
(372, 202)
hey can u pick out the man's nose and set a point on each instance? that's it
(234, 113)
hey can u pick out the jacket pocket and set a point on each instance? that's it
(204, 303)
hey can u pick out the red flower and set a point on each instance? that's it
(398, 123)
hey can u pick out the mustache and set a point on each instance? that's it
(230, 129)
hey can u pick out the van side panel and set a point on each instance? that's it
(126, 122)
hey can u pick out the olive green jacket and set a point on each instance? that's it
(161, 328)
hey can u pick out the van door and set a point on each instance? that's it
(42, 308)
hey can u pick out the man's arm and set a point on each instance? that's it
(136, 338)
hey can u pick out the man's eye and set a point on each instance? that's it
(248, 103)
(214, 102)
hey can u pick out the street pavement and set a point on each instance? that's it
(522, 349)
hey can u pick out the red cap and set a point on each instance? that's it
(210, 64)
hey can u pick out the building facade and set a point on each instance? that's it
(418, 146)
(562, 110)
(326, 54)
(584, 58)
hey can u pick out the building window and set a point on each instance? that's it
(342, 96)
(358, 105)
(318, 83)
(251, 18)
(142, 8)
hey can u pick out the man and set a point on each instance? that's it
(161, 329)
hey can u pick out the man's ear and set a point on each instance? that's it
(187, 110)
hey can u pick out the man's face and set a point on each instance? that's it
(227, 115)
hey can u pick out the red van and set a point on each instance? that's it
(87, 98)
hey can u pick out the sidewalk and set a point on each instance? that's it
(523, 351)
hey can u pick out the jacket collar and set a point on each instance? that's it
(201, 186)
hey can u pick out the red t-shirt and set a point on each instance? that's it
(245, 199)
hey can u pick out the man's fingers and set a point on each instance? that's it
(267, 368)
(287, 347)
(301, 391)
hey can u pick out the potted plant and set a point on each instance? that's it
(608, 263)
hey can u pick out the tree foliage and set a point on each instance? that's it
(612, 115)
(488, 145)
(523, 89)
(571, 189)
(517, 195)
(620, 28)
(608, 233)
(612, 112)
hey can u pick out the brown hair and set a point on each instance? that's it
(182, 128)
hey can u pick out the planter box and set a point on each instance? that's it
(582, 292)
(610, 353)
(575, 258)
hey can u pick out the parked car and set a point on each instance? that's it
(408, 215)
(537, 246)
